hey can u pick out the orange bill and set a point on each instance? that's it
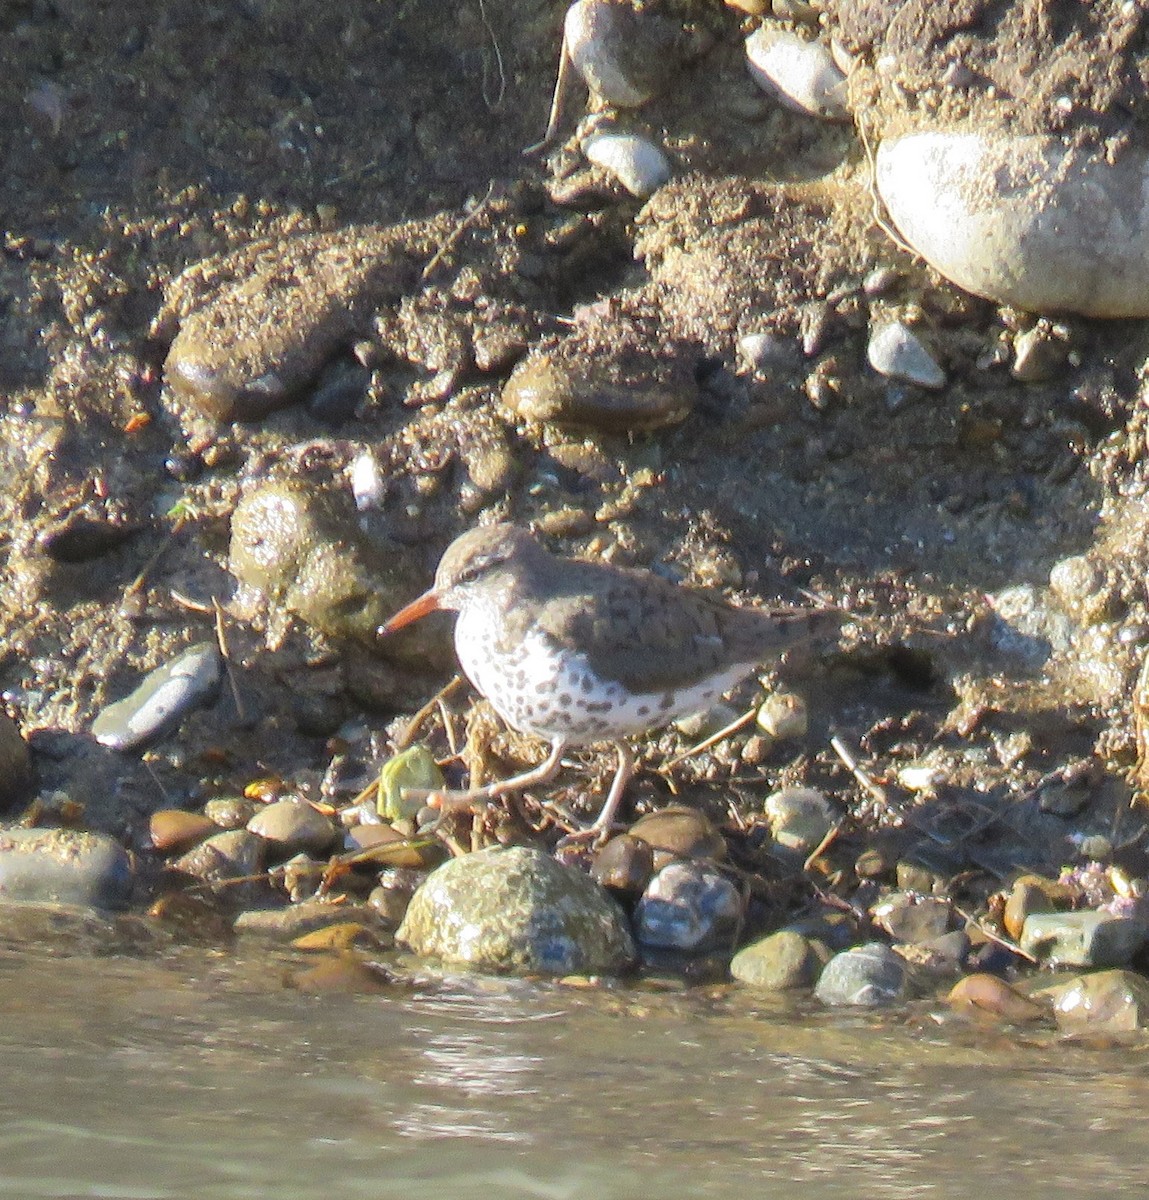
(428, 602)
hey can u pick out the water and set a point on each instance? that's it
(195, 1073)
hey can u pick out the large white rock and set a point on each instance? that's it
(1024, 220)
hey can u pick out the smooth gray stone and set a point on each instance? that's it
(62, 866)
(777, 963)
(164, 698)
(867, 976)
(1082, 939)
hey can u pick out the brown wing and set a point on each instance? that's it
(649, 634)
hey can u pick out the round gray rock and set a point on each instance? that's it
(62, 866)
(867, 976)
(777, 963)
(516, 909)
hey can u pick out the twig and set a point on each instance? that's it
(852, 765)
(149, 566)
(996, 938)
(830, 838)
(221, 641)
(493, 105)
(733, 727)
(416, 722)
(453, 238)
(562, 82)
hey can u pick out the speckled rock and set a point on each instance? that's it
(516, 909)
(867, 976)
(687, 906)
(1083, 939)
(162, 700)
(293, 827)
(256, 326)
(777, 963)
(15, 765)
(61, 866)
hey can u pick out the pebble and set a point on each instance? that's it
(230, 812)
(624, 865)
(680, 831)
(800, 73)
(1083, 939)
(636, 162)
(1027, 221)
(867, 976)
(173, 831)
(292, 827)
(379, 837)
(988, 996)
(910, 918)
(615, 49)
(286, 924)
(63, 866)
(783, 715)
(687, 906)
(799, 818)
(1103, 1002)
(778, 963)
(517, 909)
(1030, 894)
(15, 765)
(896, 352)
(766, 353)
(164, 698)
(1037, 356)
(234, 854)
(572, 383)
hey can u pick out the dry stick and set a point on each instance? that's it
(221, 641)
(824, 845)
(852, 765)
(458, 231)
(733, 727)
(416, 722)
(149, 566)
(561, 85)
(996, 938)
(877, 205)
(492, 105)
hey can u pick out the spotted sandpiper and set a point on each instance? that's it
(576, 652)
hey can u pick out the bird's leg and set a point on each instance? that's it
(478, 798)
(599, 831)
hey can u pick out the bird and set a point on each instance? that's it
(574, 651)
